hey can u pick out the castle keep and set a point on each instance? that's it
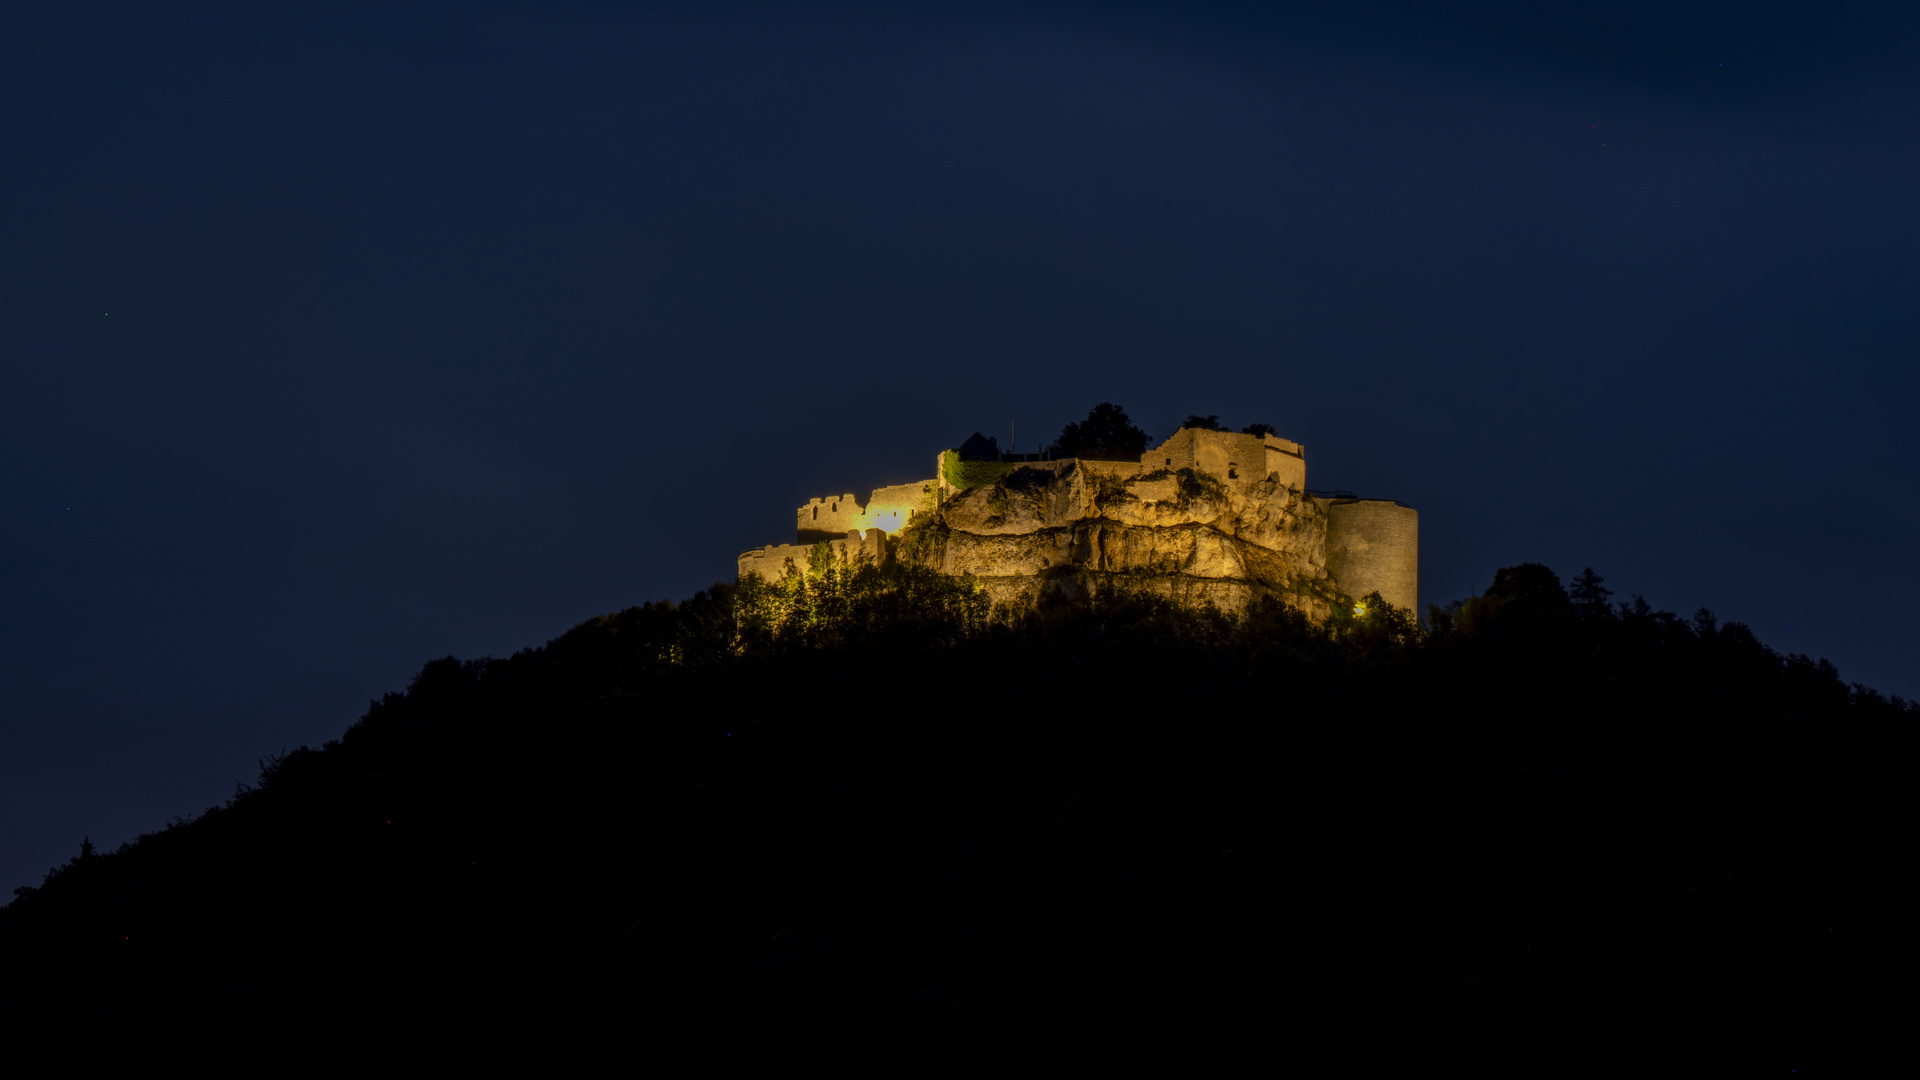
(1208, 515)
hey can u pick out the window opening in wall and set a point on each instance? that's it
(1169, 461)
(1232, 472)
(816, 513)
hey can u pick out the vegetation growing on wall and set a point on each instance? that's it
(1193, 485)
(1107, 489)
(997, 504)
(921, 541)
(963, 475)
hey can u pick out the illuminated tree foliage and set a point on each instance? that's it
(833, 603)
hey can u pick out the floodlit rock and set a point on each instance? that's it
(1209, 516)
(1176, 530)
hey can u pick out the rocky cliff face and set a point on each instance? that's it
(1178, 531)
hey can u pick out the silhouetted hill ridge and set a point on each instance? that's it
(867, 797)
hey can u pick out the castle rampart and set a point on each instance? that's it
(889, 509)
(771, 562)
(829, 516)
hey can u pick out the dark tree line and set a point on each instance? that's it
(1108, 434)
(1212, 423)
(1541, 820)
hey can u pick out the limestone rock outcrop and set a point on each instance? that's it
(1207, 516)
(1178, 531)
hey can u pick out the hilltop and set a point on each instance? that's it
(856, 801)
(1208, 516)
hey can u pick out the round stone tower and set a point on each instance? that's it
(1373, 545)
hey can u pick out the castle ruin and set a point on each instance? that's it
(1210, 515)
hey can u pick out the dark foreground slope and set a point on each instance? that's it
(1532, 831)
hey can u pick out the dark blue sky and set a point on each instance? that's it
(339, 337)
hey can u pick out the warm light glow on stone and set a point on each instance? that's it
(888, 519)
(1257, 482)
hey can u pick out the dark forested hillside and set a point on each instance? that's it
(870, 801)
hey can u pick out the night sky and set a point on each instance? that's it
(335, 338)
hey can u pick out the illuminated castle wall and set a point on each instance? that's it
(831, 517)
(1360, 545)
(1226, 455)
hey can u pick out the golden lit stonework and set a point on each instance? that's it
(1213, 516)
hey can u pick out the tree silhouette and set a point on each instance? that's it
(1259, 429)
(1105, 435)
(1204, 423)
(1590, 595)
(1530, 584)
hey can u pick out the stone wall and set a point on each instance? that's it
(828, 517)
(1286, 462)
(771, 562)
(1373, 545)
(892, 507)
(1207, 515)
(1175, 453)
(1228, 455)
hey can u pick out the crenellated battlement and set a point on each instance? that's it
(773, 561)
(888, 509)
(828, 516)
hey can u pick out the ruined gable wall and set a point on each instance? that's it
(892, 507)
(827, 517)
(1227, 455)
(1175, 453)
(1286, 458)
(1230, 456)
